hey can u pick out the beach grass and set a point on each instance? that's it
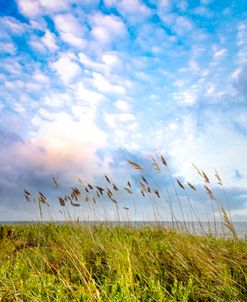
(75, 262)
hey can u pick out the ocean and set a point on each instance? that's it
(200, 228)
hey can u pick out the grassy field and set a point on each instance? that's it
(73, 262)
(76, 262)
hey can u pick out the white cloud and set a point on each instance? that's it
(20, 108)
(73, 40)
(40, 24)
(40, 77)
(101, 34)
(55, 5)
(193, 66)
(122, 105)
(131, 9)
(186, 97)
(182, 25)
(164, 4)
(113, 119)
(80, 110)
(110, 2)
(111, 60)
(37, 44)
(110, 119)
(70, 29)
(211, 89)
(66, 68)
(121, 134)
(134, 7)
(68, 23)
(126, 117)
(7, 48)
(69, 145)
(218, 54)
(29, 8)
(49, 40)
(107, 28)
(183, 6)
(242, 44)
(88, 96)
(240, 81)
(105, 86)
(11, 66)
(179, 83)
(88, 62)
(236, 73)
(203, 11)
(205, 72)
(33, 8)
(13, 25)
(242, 30)
(132, 127)
(57, 100)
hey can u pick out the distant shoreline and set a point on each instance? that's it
(192, 227)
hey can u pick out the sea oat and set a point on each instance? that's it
(42, 198)
(228, 224)
(79, 180)
(107, 179)
(109, 191)
(191, 186)
(197, 170)
(155, 164)
(100, 189)
(115, 188)
(205, 177)
(111, 198)
(61, 201)
(180, 184)
(157, 193)
(144, 179)
(142, 185)
(135, 165)
(128, 190)
(218, 178)
(27, 195)
(55, 182)
(90, 187)
(163, 160)
(210, 193)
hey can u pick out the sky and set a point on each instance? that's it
(87, 85)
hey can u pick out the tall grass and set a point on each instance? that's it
(171, 199)
(124, 262)
(73, 262)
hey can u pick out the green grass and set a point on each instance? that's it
(75, 262)
(72, 262)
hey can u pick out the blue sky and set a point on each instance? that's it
(86, 85)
